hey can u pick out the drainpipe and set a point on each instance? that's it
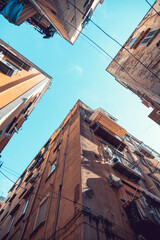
(35, 197)
(61, 184)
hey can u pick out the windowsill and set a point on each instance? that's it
(49, 176)
(19, 219)
(37, 228)
(22, 193)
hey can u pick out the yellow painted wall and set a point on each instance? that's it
(14, 92)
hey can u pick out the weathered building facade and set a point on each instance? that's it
(66, 18)
(91, 180)
(22, 84)
(139, 70)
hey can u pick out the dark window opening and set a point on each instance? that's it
(57, 145)
(46, 146)
(13, 66)
(10, 125)
(11, 199)
(21, 178)
(15, 209)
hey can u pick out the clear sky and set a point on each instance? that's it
(78, 72)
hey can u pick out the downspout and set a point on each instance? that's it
(51, 196)
(35, 197)
(61, 184)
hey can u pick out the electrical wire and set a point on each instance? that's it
(116, 41)
(11, 170)
(68, 199)
(41, 195)
(152, 7)
(95, 48)
(98, 46)
(145, 130)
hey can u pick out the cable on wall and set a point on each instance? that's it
(116, 41)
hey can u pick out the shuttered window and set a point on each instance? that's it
(9, 225)
(41, 213)
(132, 41)
(25, 207)
(150, 35)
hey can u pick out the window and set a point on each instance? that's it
(13, 66)
(57, 145)
(21, 179)
(150, 36)
(132, 41)
(22, 211)
(11, 199)
(25, 207)
(9, 225)
(41, 214)
(12, 212)
(53, 167)
(46, 146)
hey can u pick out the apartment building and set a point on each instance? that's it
(91, 180)
(137, 66)
(22, 84)
(67, 18)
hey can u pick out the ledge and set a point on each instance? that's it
(37, 228)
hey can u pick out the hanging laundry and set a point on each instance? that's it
(13, 10)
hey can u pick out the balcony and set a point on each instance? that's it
(108, 136)
(127, 168)
(143, 216)
(108, 123)
(145, 151)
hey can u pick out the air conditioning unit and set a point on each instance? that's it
(115, 181)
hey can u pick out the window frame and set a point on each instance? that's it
(41, 223)
(8, 227)
(149, 38)
(50, 172)
(22, 211)
(132, 41)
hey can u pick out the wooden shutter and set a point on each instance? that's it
(41, 213)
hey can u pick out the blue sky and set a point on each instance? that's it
(78, 72)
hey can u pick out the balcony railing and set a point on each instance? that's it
(127, 168)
